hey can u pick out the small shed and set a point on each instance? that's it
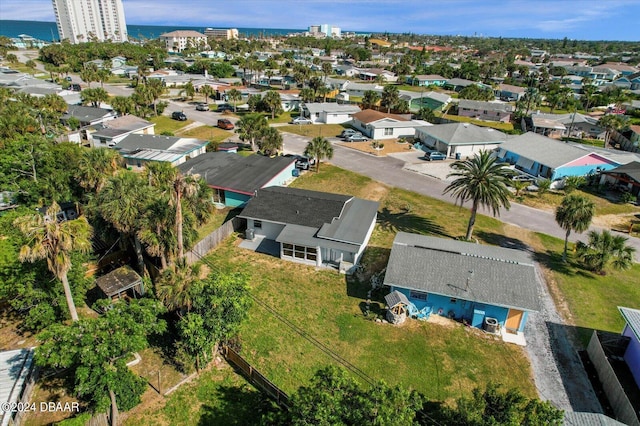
(397, 304)
(119, 281)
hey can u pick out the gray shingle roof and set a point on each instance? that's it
(543, 150)
(464, 133)
(500, 277)
(631, 169)
(394, 298)
(489, 106)
(341, 219)
(85, 113)
(331, 107)
(230, 171)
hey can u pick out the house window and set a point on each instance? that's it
(299, 252)
(418, 295)
(388, 131)
(257, 224)
(453, 300)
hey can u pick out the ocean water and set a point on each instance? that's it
(47, 31)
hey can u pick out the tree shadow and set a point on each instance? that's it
(236, 405)
(553, 261)
(406, 221)
(504, 241)
(569, 363)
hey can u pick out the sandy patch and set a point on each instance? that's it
(390, 146)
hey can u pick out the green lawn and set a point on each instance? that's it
(209, 133)
(217, 218)
(216, 397)
(550, 200)
(168, 124)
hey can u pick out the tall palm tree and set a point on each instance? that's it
(390, 96)
(122, 202)
(482, 180)
(319, 148)
(574, 214)
(158, 230)
(54, 241)
(235, 96)
(273, 101)
(611, 123)
(183, 186)
(271, 141)
(251, 127)
(604, 248)
(96, 167)
(177, 287)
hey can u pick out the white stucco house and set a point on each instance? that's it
(329, 112)
(379, 125)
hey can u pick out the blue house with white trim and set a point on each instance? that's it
(476, 283)
(235, 179)
(544, 157)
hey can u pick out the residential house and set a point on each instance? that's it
(139, 149)
(370, 74)
(630, 82)
(508, 92)
(380, 125)
(475, 283)
(110, 133)
(549, 158)
(458, 84)
(560, 125)
(88, 116)
(328, 112)
(177, 41)
(426, 80)
(632, 331)
(460, 140)
(315, 228)
(626, 176)
(489, 111)
(235, 179)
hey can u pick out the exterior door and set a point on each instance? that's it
(513, 320)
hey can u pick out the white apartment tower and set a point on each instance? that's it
(83, 20)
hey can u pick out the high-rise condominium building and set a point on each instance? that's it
(85, 20)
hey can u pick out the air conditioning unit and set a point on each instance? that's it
(250, 234)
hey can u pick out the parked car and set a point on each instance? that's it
(301, 120)
(179, 115)
(347, 132)
(356, 137)
(224, 107)
(202, 107)
(302, 162)
(433, 156)
(225, 124)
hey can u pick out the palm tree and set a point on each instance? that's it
(158, 230)
(574, 214)
(482, 180)
(326, 70)
(307, 95)
(273, 101)
(96, 167)
(122, 202)
(604, 248)
(271, 141)
(207, 91)
(370, 99)
(319, 148)
(183, 186)
(251, 127)
(176, 288)
(390, 96)
(610, 122)
(234, 96)
(54, 241)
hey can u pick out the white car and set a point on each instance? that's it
(301, 120)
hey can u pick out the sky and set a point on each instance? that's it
(574, 19)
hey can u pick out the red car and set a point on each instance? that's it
(225, 124)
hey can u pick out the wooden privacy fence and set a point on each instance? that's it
(255, 377)
(212, 240)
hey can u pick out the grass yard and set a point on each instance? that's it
(451, 359)
(168, 124)
(313, 130)
(215, 397)
(390, 146)
(209, 133)
(217, 218)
